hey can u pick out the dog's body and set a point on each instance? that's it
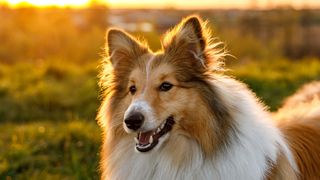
(187, 120)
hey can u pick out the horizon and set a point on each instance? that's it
(167, 4)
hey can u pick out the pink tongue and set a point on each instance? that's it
(144, 137)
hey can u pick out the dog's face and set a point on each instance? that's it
(154, 96)
(155, 99)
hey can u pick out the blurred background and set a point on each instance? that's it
(50, 51)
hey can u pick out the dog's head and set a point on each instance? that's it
(159, 97)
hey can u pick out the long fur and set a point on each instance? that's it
(222, 130)
(299, 120)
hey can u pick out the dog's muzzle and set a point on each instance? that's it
(145, 141)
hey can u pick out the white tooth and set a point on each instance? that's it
(136, 140)
(158, 130)
(151, 139)
(162, 126)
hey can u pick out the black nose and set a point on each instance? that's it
(134, 121)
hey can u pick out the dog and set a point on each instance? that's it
(174, 114)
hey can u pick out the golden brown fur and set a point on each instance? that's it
(188, 76)
(299, 120)
(281, 169)
(191, 92)
(304, 139)
(203, 112)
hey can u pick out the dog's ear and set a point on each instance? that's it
(123, 47)
(187, 40)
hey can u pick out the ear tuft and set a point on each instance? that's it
(122, 46)
(187, 40)
(190, 42)
(189, 33)
(195, 23)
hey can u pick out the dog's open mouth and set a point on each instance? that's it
(145, 141)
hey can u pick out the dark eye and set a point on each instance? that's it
(132, 89)
(165, 86)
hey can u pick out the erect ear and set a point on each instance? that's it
(123, 47)
(187, 40)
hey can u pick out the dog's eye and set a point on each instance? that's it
(165, 86)
(132, 89)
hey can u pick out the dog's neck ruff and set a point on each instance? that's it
(247, 156)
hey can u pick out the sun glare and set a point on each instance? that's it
(43, 3)
(181, 4)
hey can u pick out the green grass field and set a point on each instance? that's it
(66, 144)
(49, 150)
(276, 79)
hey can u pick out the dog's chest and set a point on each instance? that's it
(133, 166)
(124, 163)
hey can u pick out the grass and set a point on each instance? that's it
(277, 79)
(52, 90)
(49, 150)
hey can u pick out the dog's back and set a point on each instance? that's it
(299, 120)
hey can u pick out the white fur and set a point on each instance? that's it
(148, 67)
(244, 158)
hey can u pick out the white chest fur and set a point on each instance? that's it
(255, 142)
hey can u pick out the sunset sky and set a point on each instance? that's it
(185, 4)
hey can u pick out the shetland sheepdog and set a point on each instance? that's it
(173, 114)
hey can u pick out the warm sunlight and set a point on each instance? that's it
(60, 3)
(205, 4)
(179, 4)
